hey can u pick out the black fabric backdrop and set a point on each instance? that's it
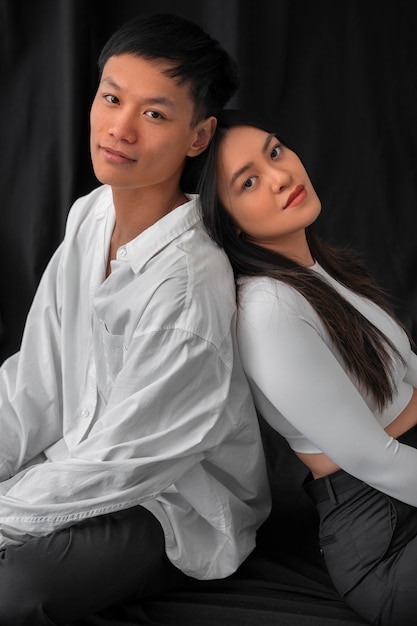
(338, 79)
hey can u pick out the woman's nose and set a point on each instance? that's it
(280, 180)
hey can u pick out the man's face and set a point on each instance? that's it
(140, 124)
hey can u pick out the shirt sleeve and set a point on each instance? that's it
(30, 381)
(411, 372)
(287, 359)
(164, 413)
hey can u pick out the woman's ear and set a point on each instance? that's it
(204, 132)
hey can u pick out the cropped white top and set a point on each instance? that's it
(301, 386)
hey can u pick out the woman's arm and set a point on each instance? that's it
(287, 359)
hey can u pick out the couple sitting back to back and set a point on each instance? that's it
(131, 449)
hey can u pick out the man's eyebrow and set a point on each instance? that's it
(247, 166)
(161, 100)
(164, 100)
(109, 81)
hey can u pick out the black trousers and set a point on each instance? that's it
(369, 544)
(84, 569)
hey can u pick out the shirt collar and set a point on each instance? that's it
(138, 251)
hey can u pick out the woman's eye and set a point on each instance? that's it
(276, 151)
(249, 182)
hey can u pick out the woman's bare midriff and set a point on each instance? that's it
(320, 465)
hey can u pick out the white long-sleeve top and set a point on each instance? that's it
(301, 387)
(129, 390)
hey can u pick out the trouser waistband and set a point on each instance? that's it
(329, 487)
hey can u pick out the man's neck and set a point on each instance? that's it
(137, 210)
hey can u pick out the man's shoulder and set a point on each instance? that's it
(193, 286)
(91, 204)
(209, 266)
(194, 266)
(211, 288)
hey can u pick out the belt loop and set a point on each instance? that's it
(330, 489)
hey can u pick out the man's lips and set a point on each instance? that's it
(296, 196)
(116, 156)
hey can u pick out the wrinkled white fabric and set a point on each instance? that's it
(128, 390)
(302, 389)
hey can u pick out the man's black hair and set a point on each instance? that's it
(197, 59)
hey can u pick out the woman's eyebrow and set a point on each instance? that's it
(268, 141)
(239, 172)
(247, 166)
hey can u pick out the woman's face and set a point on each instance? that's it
(264, 187)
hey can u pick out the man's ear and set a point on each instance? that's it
(204, 132)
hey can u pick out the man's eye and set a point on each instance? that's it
(112, 99)
(154, 115)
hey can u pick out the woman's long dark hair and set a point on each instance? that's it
(366, 351)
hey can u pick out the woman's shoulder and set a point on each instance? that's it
(268, 290)
(262, 299)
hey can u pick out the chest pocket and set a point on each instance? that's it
(109, 355)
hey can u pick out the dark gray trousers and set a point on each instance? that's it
(369, 544)
(84, 569)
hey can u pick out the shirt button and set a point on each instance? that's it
(85, 413)
(122, 252)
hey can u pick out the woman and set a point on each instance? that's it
(330, 366)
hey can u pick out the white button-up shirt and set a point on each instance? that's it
(129, 390)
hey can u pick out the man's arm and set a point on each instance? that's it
(166, 410)
(30, 381)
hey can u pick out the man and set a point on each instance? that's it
(130, 455)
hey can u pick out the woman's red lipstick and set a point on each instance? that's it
(296, 196)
